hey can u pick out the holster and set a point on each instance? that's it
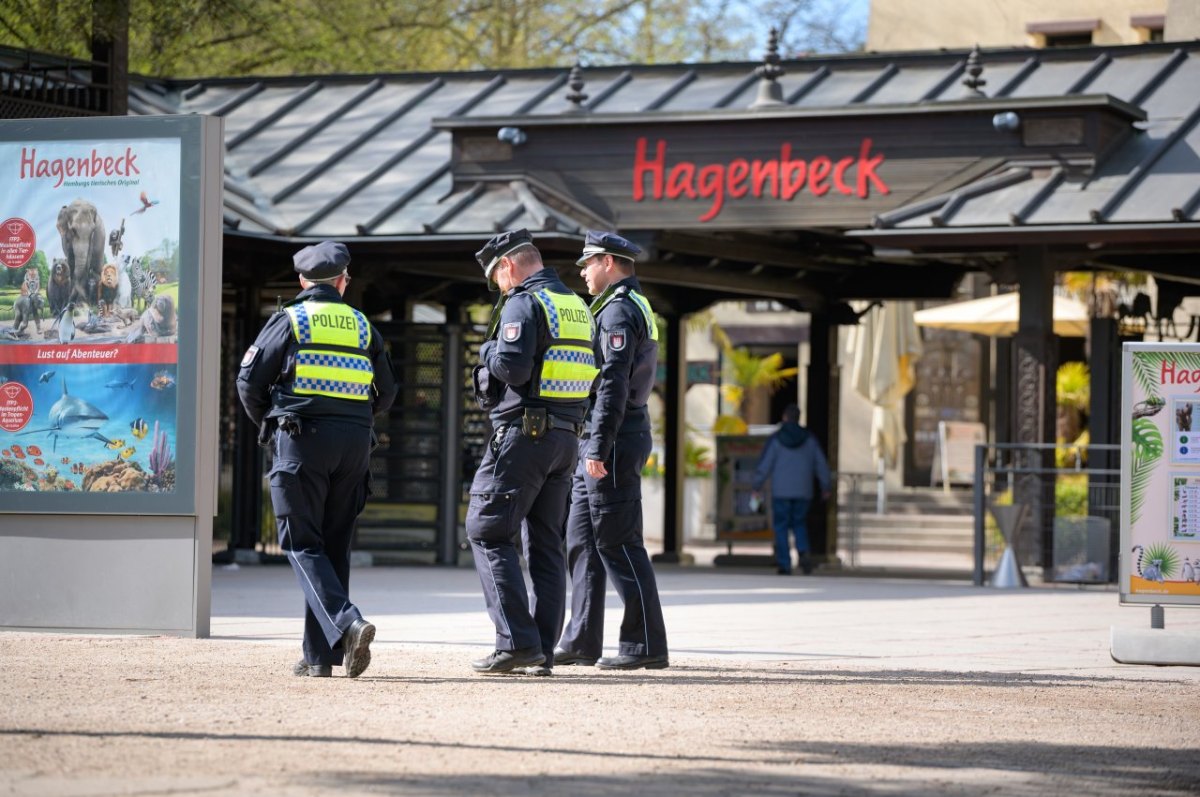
(535, 422)
(266, 432)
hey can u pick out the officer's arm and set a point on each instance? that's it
(510, 358)
(386, 385)
(612, 388)
(261, 366)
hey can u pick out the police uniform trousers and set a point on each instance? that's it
(319, 485)
(522, 487)
(604, 535)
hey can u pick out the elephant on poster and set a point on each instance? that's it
(82, 232)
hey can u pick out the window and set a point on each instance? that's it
(1062, 33)
(1148, 27)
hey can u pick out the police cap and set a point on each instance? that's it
(499, 246)
(322, 261)
(599, 242)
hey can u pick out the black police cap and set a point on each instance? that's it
(322, 261)
(599, 242)
(499, 246)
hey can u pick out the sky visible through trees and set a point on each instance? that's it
(192, 38)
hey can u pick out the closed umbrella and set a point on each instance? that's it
(885, 345)
(998, 315)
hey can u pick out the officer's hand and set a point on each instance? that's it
(595, 468)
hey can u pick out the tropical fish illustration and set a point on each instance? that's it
(66, 460)
(38, 462)
(16, 449)
(77, 468)
(115, 444)
(45, 377)
(70, 485)
(71, 416)
(6, 453)
(139, 428)
(129, 452)
(33, 451)
(117, 383)
(162, 380)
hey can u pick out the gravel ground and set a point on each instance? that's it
(98, 715)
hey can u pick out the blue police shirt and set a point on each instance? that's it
(513, 362)
(628, 361)
(263, 381)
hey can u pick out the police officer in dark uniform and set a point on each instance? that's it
(604, 526)
(535, 372)
(313, 381)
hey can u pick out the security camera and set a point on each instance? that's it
(511, 135)
(1006, 122)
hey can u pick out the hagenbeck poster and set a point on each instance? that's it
(89, 307)
(1160, 472)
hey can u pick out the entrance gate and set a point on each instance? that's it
(430, 444)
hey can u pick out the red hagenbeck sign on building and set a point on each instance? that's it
(778, 178)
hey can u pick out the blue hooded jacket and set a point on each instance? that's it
(792, 459)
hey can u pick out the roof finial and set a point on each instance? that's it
(770, 93)
(575, 81)
(974, 69)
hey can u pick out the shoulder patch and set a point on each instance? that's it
(616, 339)
(249, 356)
(511, 332)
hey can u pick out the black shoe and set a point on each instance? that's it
(356, 643)
(562, 657)
(502, 661)
(537, 670)
(806, 565)
(630, 662)
(304, 669)
(783, 571)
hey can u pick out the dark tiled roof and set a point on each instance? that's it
(354, 156)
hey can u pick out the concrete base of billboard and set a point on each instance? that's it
(1155, 646)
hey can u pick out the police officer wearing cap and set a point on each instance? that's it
(535, 372)
(313, 381)
(604, 526)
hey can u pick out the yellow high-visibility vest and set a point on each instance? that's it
(641, 301)
(568, 367)
(332, 359)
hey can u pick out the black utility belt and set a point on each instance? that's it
(537, 421)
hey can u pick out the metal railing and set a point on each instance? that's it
(850, 499)
(1071, 503)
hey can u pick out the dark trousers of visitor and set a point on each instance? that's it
(319, 485)
(789, 513)
(522, 487)
(604, 536)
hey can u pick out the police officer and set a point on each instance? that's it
(604, 526)
(314, 380)
(534, 375)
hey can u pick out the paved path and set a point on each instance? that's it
(778, 686)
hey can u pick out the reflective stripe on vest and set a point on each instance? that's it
(568, 367)
(343, 372)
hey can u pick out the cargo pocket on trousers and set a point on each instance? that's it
(286, 494)
(491, 516)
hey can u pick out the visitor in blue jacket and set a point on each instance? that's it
(792, 459)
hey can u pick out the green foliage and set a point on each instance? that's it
(1147, 449)
(1075, 454)
(1071, 495)
(696, 462)
(1073, 386)
(191, 38)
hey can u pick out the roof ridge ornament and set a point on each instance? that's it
(576, 97)
(770, 93)
(974, 69)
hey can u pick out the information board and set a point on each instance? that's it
(1160, 474)
(954, 459)
(740, 515)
